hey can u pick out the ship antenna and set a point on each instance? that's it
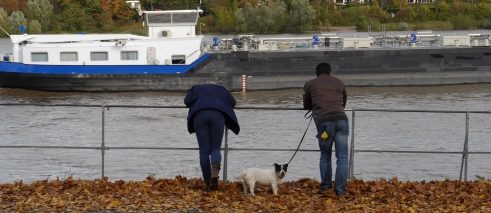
(199, 7)
(1, 28)
(136, 5)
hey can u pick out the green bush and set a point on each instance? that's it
(364, 23)
(486, 24)
(403, 26)
(434, 25)
(394, 26)
(34, 27)
(4, 22)
(463, 22)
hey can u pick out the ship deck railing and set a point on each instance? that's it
(424, 39)
(463, 175)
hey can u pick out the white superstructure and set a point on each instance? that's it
(171, 40)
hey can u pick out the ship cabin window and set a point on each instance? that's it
(98, 56)
(39, 57)
(129, 55)
(68, 56)
(178, 59)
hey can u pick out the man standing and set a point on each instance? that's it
(326, 97)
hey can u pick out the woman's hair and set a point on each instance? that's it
(323, 68)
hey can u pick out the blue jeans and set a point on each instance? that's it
(338, 132)
(209, 126)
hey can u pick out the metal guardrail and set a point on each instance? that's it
(463, 167)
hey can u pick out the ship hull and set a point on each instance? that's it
(258, 70)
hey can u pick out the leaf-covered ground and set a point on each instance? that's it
(186, 195)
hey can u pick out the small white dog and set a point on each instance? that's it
(251, 176)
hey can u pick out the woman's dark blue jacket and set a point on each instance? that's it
(211, 96)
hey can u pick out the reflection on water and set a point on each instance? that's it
(455, 97)
(74, 126)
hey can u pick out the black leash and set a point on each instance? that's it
(301, 140)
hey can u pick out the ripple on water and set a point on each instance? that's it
(73, 126)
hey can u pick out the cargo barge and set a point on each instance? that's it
(173, 58)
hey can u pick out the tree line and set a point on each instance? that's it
(244, 16)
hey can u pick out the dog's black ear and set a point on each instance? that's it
(277, 167)
(285, 167)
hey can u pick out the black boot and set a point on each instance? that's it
(215, 171)
(207, 185)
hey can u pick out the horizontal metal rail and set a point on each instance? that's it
(231, 149)
(50, 105)
(244, 108)
(423, 111)
(49, 147)
(103, 147)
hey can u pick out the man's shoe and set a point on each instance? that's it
(323, 190)
(343, 194)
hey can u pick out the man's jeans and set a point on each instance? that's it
(209, 126)
(338, 132)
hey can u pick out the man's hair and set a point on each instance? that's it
(323, 68)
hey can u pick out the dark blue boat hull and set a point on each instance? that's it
(276, 70)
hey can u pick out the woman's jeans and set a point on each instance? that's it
(338, 132)
(209, 126)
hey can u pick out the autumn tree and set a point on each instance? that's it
(259, 16)
(222, 15)
(241, 18)
(442, 10)
(301, 14)
(374, 11)
(74, 18)
(481, 10)
(267, 17)
(242, 3)
(463, 22)
(4, 22)
(394, 5)
(322, 12)
(105, 16)
(16, 19)
(423, 12)
(273, 17)
(34, 27)
(12, 5)
(40, 10)
(93, 6)
(122, 12)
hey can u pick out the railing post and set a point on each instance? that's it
(465, 152)
(352, 148)
(225, 156)
(103, 144)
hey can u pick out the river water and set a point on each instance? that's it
(128, 127)
(69, 126)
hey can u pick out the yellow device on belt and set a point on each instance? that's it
(324, 136)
